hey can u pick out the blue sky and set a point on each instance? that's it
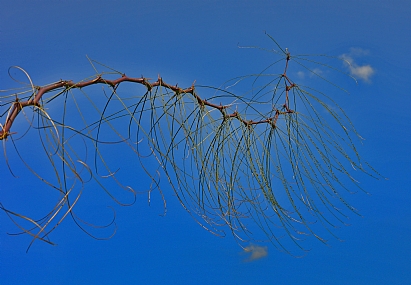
(198, 40)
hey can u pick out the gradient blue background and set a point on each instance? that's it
(197, 40)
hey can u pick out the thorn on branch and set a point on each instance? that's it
(147, 84)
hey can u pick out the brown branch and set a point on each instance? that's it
(17, 106)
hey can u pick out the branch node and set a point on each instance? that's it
(3, 134)
(147, 84)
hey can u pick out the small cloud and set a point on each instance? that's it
(316, 72)
(310, 73)
(256, 251)
(364, 72)
(301, 74)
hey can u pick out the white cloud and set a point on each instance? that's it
(363, 72)
(316, 72)
(311, 73)
(301, 74)
(256, 251)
